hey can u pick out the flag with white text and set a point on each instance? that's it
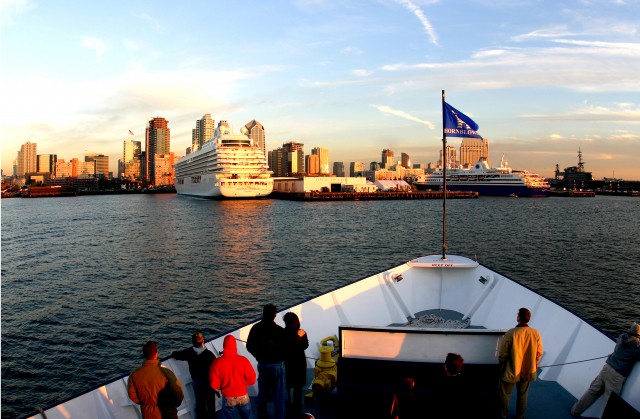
(457, 124)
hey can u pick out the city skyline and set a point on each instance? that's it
(541, 79)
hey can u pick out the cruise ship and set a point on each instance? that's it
(488, 181)
(227, 166)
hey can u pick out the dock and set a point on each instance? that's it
(573, 194)
(371, 196)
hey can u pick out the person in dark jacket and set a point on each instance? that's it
(614, 372)
(295, 362)
(199, 359)
(265, 343)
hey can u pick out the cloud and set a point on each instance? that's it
(336, 83)
(402, 114)
(352, 51)
(612, 67)
(361, 73)
(623, 112)
(9, 9)
(549, 32)
(95, 44)
(412, 7)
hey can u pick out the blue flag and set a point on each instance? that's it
(457, 124)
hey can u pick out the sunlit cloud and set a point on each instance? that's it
(556, 137)
(390, 111)
(413, 8)
(625, 112)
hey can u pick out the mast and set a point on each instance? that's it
(444, 185)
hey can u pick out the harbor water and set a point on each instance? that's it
(87, 280)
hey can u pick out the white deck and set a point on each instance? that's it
(488, 299)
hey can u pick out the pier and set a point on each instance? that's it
(573, 194)
(371, 196)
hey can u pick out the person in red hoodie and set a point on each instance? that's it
(231, 374)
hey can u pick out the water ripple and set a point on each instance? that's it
(87, 280)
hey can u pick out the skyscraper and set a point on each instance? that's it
(356, 168)
(276, 158)
(451, 158)
(47, 164)
(312, 164)
(158, 141)
(165, 173)
(131, 159)
(338, 168)
(287, 160)
(387, 159)
(323, 156)
(294, 155)
(203, 132)
(256, 132)
(405, 161)
(27, 159)
(472, 149)
(101, 163)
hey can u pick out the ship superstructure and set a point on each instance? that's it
(488, 181)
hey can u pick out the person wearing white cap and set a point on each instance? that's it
(614, 372)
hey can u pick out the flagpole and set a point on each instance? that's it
(444, 185)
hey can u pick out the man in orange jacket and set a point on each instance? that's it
(155, 388)
(232, 374)
(519, 356)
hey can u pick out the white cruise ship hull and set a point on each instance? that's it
(370, 317)
(209, 187)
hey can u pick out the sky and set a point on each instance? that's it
(542, 79)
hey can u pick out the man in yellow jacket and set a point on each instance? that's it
(520, 354)
(155, 388)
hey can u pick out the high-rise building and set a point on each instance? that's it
(165, 173)
(374, 165)
(101, 163)
(131, 159)
(294, 155)
(472, 150)
(387, 159)
(158, 142)
(203, 132)
(356, 168)
(452, 158)
(287, 160)
(312, 164)
(47, 164)
(338, 168)
(75, 169)
(27, 159)
(405, 160)
(275, 159)
(323, 155)
(255, 131)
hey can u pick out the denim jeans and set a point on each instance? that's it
(227, 412)
(271, 381)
